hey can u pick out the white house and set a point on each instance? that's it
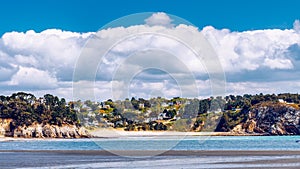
(281, 101)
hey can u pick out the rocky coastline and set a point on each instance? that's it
(37, 130)
(270, 119)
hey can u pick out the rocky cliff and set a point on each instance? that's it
(4, 126)
(271, 119)
(37, 130)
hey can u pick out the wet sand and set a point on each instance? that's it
(143, 159)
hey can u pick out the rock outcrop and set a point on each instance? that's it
(5, 127)
(37, 130)
(271, 119)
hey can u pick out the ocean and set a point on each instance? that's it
(156, 143)
(152, 152)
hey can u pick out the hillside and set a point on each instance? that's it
(247, 114)
(24, 115)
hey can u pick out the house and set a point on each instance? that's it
(146, 120)
(87, 108)
(110, 124)
(163, 116)
(164, 104)
(95, 123)
(119, 123)
(160, 116)
(106, 106)
(41, 100)
(141, 106)
(177, 117)
(77, 108)
(90, 114)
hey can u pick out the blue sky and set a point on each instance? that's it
(257, 44)
(90, 15)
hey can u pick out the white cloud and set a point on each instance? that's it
(297, 26)
(159, 19)
(240, 88)
(278, 63)
(26, 60)
(7, 73)
(45, 61)
(33, 78)
(52, 50)
(252, 50)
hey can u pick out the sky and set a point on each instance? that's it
(90, 15)
(257, 44)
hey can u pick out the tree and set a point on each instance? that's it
(191, 110)
(25, 109)
(134, 103)
(171, 113)
(204, 106)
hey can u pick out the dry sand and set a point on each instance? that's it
(113, 133)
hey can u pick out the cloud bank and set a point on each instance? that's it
(253, 61)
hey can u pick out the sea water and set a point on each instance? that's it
(44, 159)
(155, 143)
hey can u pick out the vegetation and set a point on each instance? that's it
(237, 107)
(180, 114)
(25, 109)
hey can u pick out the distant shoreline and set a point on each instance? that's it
(112, 133)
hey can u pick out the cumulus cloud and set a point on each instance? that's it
(297, 26)
(278, 63)
(160, 18)
(51, 50)
(44, 61)
(252, 50)
(39, 62)
(33, 79)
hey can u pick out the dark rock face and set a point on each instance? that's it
(272, 119)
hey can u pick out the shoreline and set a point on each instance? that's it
(164, 153)
(147, 153)
(115, 133)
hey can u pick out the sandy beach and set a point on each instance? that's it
(117, 133)
(113, 133)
